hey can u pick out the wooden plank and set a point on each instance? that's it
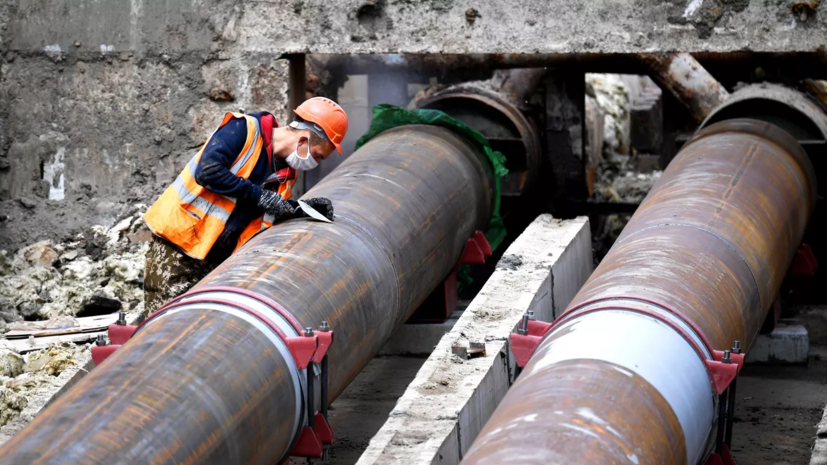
(36, 343)
(81, 325)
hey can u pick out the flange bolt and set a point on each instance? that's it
(523, 329)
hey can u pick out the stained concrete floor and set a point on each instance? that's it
(358, 414)
(777, 410)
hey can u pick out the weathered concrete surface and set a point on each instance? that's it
(788, 343)
(432, 26)
(86, 137)
(418, 338)
(449, 401)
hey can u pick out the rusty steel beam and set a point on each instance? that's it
(622, 376)
(207, 382)
(688, 81)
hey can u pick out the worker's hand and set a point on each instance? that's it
(321, 205)
(275, 204)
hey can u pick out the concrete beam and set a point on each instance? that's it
(449, 401)
(223, 28)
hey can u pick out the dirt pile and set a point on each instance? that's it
(101, 271)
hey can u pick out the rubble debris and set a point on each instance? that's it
(11, 404)
(612, 98)
(471, 16)
(11, 363)
(47, 280)
(617, 181)
(26, 379)
(510, 262)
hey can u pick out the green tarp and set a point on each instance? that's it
(389, 116)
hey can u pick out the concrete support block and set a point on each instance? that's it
(789, 343)
(449, 401)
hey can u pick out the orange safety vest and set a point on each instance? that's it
(193, 217)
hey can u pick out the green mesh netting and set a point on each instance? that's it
(390, 116)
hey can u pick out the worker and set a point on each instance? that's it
(238, 185)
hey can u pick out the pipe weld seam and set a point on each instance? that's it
(387, 254)
(684, 225)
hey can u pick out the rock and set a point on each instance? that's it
(4, 164)
(59, 362)
(28, 310)
(5, 264)
(41, 254)
(471, 16)
(100, 305)
(9, 316)
(36, 361)
(11, 363)
(69, 256)
(143, 235)
(54, 360)
(95, 284)
(26, 203)
(11, 404)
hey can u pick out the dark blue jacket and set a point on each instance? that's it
(213, 173)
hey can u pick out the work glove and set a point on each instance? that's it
(275, 204)
(320, 204)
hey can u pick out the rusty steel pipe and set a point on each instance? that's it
(493, 107)
(207, 383)
(621, 377)
(688, 81)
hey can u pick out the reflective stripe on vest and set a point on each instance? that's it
(193, 217)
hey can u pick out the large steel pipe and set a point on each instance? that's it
(621, 377)
(206, 382)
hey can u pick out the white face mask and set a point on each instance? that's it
(301, 164)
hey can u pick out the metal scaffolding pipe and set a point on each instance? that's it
(621, 377)
(207, 381)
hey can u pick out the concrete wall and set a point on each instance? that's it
(102, 101)
(435, 26)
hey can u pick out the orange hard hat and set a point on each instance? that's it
(327, 114)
